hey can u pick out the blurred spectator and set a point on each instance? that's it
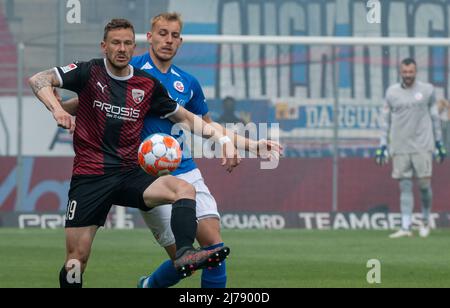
(229, 112)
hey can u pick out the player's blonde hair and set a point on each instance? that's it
(167, 17)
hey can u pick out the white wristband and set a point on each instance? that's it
(224, 139)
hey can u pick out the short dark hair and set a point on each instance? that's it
(117, 23)
(408, 61)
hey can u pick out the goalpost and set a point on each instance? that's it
(358, 55)
(309, 40)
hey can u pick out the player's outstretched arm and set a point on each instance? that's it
(42, 85)
(267, 149)
(199, 127)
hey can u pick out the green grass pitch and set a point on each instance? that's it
(259, 259)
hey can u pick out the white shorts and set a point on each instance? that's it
(158, 219)
(405, 166)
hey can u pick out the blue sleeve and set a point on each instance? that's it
(197, 104)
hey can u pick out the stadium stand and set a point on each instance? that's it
(8, 58)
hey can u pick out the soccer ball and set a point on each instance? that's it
(159, 154)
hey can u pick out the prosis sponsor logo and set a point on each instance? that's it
(116, 112)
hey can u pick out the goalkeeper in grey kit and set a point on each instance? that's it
(411, 133)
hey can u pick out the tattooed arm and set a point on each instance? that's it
(42, 85)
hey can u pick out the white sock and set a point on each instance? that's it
(145, 283)
(406, 202)
(406, 222)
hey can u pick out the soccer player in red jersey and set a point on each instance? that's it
(114, 99)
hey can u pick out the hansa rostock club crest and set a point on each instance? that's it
(138, 95)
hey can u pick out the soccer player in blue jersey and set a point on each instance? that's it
(165, 39)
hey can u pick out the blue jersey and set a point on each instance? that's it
(186, 91)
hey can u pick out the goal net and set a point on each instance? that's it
(326, 95)
(325, 92)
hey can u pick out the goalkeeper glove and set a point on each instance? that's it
(440, 152)
(382, 155)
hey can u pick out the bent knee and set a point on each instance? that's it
(406, 185)
(185, 190)
(168, 189)
(77, 256)
(424, 183)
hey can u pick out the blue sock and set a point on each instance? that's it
(165, 276)
(217, 276)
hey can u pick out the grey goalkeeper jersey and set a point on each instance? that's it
(410, 119)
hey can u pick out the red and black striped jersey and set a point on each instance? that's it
(111, 113)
